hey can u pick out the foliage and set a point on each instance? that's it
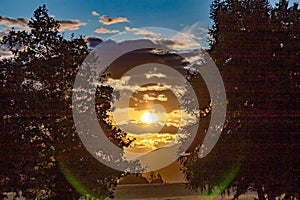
(41, 153)
(256, 47)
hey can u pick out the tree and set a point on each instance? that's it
(256, 48)
(41, 153)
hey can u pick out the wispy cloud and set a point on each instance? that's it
(122, 84)
(153, 141)
(138, 31)
(191, 29)
(153, 74)
(94, 13)
(105, 31)
(178, 42)
(160, 97)
(23, 23)
(195, 31)
(70, 24)
(14, 22)
(110, 20)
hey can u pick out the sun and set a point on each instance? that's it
(149, 118)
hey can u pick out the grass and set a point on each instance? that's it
(174, 191)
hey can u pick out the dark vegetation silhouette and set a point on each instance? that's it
(257, 49)
(40, 150)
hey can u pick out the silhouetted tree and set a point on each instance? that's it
(40, 151)
(256, 47)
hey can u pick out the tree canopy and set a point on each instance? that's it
(41, 153)
(256, 47)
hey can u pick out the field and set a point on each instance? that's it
(174, 191)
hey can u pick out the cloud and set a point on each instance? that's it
(14, 22)
(138, 31)
(70, 24)
(154, 73)
(191, 29)
(123, 84)
(105, 31)
(4, 32)
(92, 41)
(109, 20)
(4, 49)
(160, 97)
(204, 30)
(197, 56)
(94, 13)
(157, 75)
(23, 23)
(178, 42)
(153, 141)
(177, 118)
(196, 32)
(181, 118)
(130, 120)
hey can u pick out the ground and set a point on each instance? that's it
(174, 191)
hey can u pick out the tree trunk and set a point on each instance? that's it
(260, 194)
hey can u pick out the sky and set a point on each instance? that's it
(172, 14)
(102, 18)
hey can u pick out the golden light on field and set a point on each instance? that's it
(149, 118)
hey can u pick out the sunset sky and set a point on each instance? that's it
(89, 17)
(100, 19)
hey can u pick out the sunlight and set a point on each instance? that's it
(149, 118)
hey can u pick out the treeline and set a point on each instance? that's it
(257, 49)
